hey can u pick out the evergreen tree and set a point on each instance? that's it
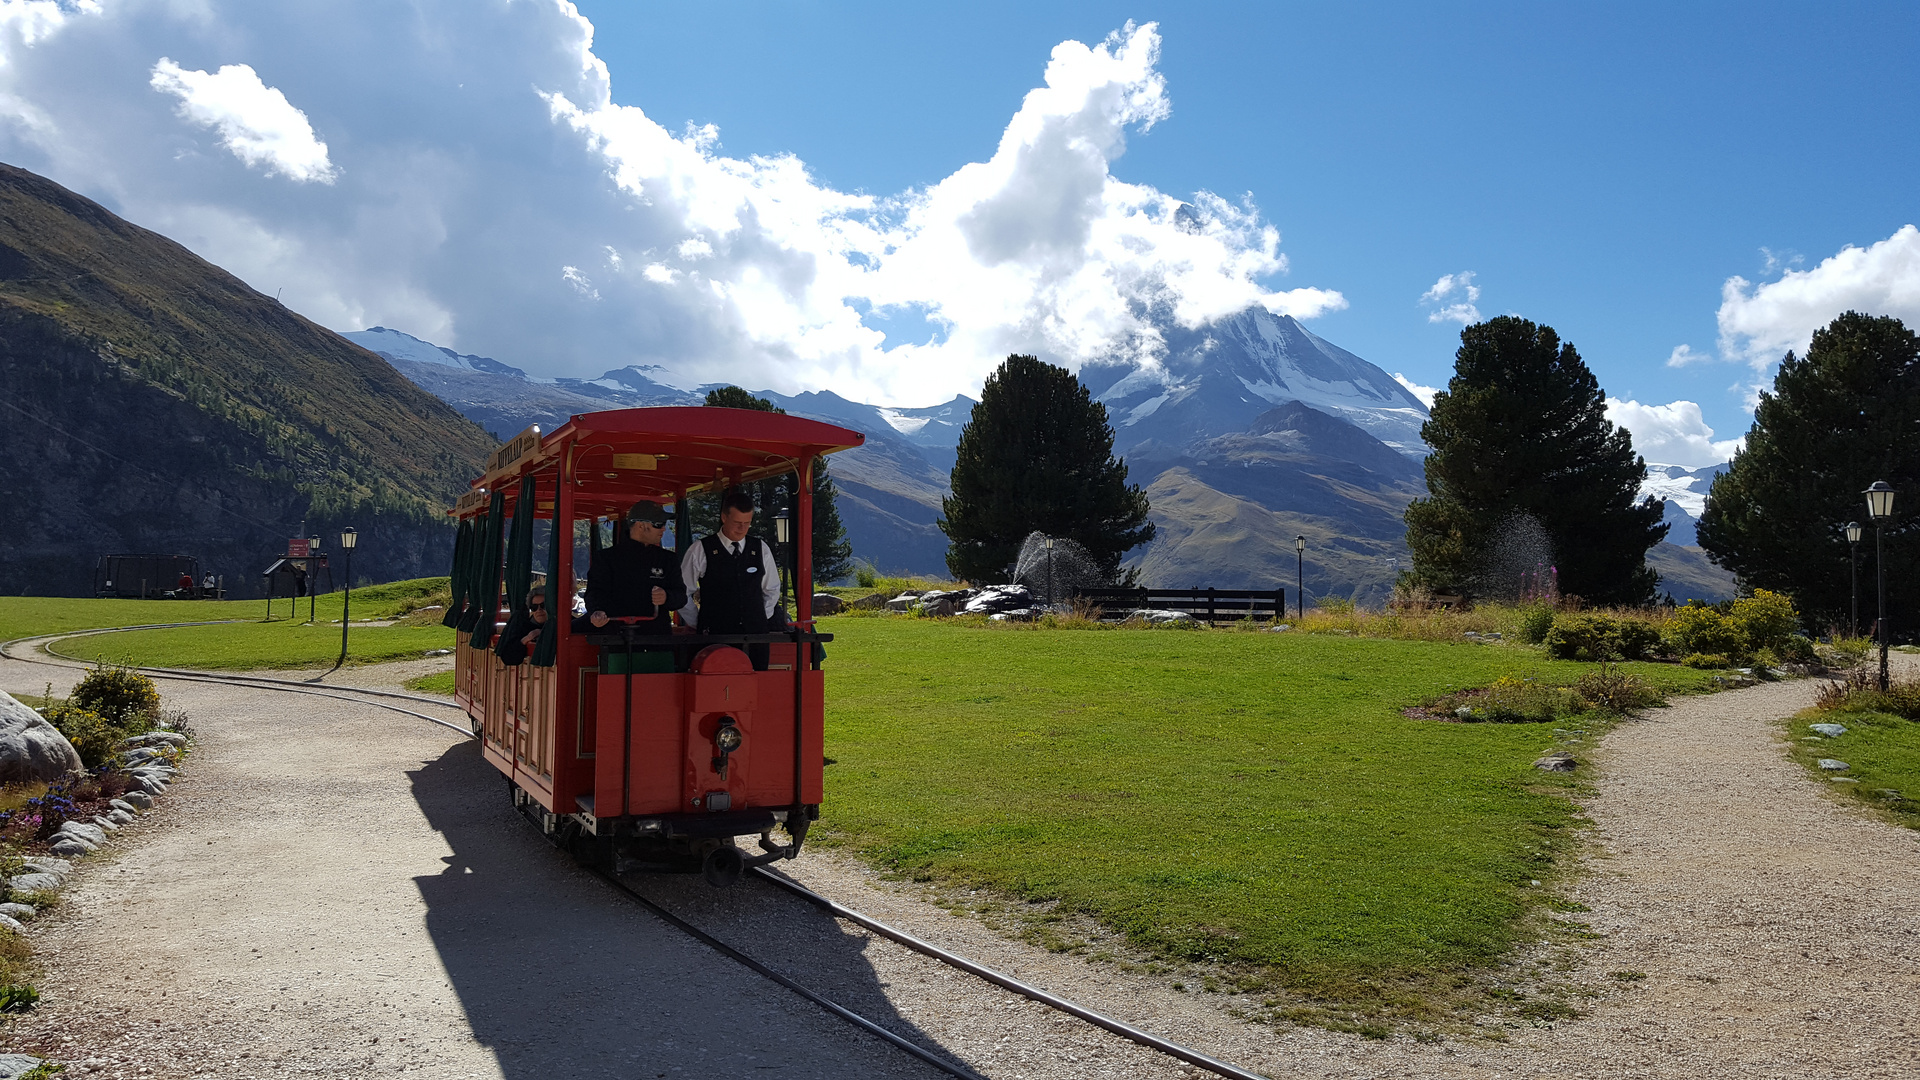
(1521, 442)
(1843, 416)
(832, 554)
(1038, 454)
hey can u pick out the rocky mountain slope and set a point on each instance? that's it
(153, 402)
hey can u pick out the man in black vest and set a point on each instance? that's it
(738, 579)
(637, 576)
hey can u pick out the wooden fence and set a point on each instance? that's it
(1213, 605)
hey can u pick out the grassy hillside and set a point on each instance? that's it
(157, 402)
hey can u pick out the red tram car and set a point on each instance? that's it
(642, 752)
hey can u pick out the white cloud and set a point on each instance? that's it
(446, 217)
(255, 120)
(1452, 299)
(1672, 434)
(1682, 355)
(1760, 323)
(1424, 393)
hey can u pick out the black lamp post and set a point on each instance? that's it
(1049, 571)
(1880, 508)
(1300, 575)
(313, 577)
(348, 537)
(783, 532)
(1853, 561)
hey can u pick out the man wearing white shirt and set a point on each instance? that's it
(738, 580)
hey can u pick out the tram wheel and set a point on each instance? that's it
(723, 866)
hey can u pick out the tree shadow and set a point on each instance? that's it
(562, 976)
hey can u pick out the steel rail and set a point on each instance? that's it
(1126, 1031)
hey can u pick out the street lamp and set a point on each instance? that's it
(1049, 547)
(1880, 508)
(348, 538)
(1853, 561)
(1300, 575)
(783, 531)
(313, 577)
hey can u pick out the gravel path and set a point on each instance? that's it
(338, 890)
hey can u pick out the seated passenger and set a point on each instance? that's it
(523, 631)
(738, 580)
(637, 577)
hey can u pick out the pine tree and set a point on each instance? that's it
(832, 553)
(1845, 415)
(1521, 443)
(1038, 454)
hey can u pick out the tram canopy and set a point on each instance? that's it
(661, 453)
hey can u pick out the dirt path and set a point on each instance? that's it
(337, 890)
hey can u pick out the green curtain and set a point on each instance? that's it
(457, 581)
(559, 594)
(470, 574)
(486, 598)
(520, 552)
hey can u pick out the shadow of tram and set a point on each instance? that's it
(562, 976)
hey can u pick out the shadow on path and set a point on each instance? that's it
(563, 977)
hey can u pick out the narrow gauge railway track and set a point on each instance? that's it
(367, 696)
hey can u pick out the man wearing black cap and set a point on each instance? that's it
(637, 577)
(738, 581)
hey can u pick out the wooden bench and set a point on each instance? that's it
(1212, 605)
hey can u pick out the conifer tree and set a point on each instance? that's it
(832, 554)
(1038, 454)
(1520, 433)
(1838, 419)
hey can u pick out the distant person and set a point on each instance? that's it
(299, 581)
(637, 577)
(210, 586)
(522, 632)
(185, 585)
(738, 580)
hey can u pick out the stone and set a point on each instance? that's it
(138, 755)
(941, 608)
(149, 785)
(139, 800)
(106, 823)
(869, 602)
(1832, 764)
(92, 834)
(154, 738)
(1279, 628)
(825, 603)
(1831, 731)
(119, 816)
(1159, 617)
(1558, 761)
(68, 846)
(42, 864)
(995, 599)
(31, 749)
(19, 911)
(438, 652)
(1027, 614)
(1843, 779)
(34, 882)
(122, 804)
(16, 1065)
(8, 922)
(904, 602)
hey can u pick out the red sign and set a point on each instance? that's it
(297, 548)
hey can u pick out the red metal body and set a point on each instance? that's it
(560, 733)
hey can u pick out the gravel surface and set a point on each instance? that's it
(339, 890)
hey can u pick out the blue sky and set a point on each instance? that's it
(885, 200)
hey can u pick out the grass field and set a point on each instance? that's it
(1245, 799)
(1882, 752)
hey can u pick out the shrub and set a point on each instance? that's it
(1797, 649)
(1859, 691)
(1767, 619)
(1535, 621)
(1615, 691)
(118, 694)
(865, 576)
(88, 731)
(1697, 628)
(1598, 637)
(1523, 701)
(1706, 661)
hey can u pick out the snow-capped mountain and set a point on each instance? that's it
(1685, 491)
(1217, 379)
(397, 345)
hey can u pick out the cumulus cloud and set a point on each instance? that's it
(255, 120)
(1672, 434)
(1452, 299)
(476, 149)
(1683, 355)
(1760, 323)
(1424, 393)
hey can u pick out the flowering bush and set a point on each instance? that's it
(119, 695)
(1767, 619)
(1699, 629)
(1599, 637)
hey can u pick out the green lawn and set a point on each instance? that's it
(1249, 799)
(28, 616)
(255, 645)
(1882, 752)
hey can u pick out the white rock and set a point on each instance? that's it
(93, 834)
(119, 816)
(122, 804)
(47, 865)
(66, 845)
(34, 882)
(1832, 764)
(106, 823)
(18, 911)
(1831, 731)
(31, 749)
(8, 922)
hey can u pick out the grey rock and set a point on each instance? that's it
(122, 804)
(69, 846)
(1279, 628)
(92, 834)
(996, 599)
(825, 603)
(119, 816)
(1463, 711)
(869, 602)
(1027, 614)
(438, 652)
(47, 864)
(1559, 761)
(1843, 779)
(19, 911)
(35, 882)
(106, 823)
(1158, 616)
(32, 750)
(139, 800)
(14, 1065)
(1831, 731)
(939, 608)
(903, 602)
(8, 922)
(1832, 764)
(139, 754)
(149, 785)
(155, 738)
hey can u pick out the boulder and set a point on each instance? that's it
(119, 816)
(139, 800)
(139, 754)
(32, 750)
(1158, 616)
(15, 1065)
(1831, 731)
(1832, 764)
(1559, 761)
(21, 883)
(1027, 614)
(154, 738)
(92, 834)
(869, 602)
(1279, 628)
(825, 603)
(68, 846)
(938, 608)
(903, 602)
(42, 864)
(18, 911)
(122, 804)
(994, 599)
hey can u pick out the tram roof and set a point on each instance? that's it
(661, 452)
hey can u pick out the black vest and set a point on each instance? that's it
(730, 598)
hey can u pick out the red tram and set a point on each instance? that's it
(642, 752)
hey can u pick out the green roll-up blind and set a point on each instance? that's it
(470, 572)
(486, 598)
(457, 579)
(559, 593)
(519, 568)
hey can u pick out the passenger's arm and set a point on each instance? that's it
(693, 563)
(769, 578)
